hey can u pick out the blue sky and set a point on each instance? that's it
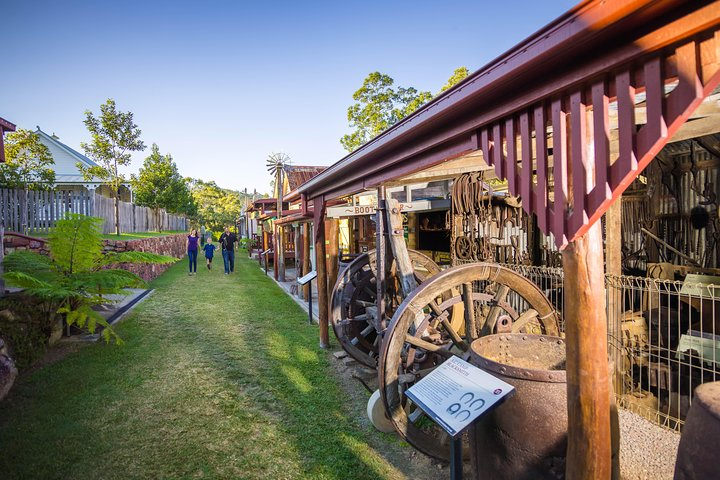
(222, 84)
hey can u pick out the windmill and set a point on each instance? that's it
(276, 164)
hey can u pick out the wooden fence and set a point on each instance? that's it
(44, 208)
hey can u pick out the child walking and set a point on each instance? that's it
(209, 252)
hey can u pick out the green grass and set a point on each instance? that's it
(219, 377)
(123, 236)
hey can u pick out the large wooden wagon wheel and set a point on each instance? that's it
(353, 303)
(421, 336)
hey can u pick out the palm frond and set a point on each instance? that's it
(24, 280)
(112, 258)
(86, 317)
(27, 262)
(75, 243)
(106, 281)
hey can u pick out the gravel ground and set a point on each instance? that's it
(647, 451)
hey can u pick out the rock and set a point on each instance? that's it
(349, 361)
(56, 332)
(8, 372)
(340, 354)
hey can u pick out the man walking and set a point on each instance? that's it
(227, 242)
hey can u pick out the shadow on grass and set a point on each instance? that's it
(292, 379)
(220, 377)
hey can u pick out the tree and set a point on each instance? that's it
(159, 185)
(28, 162)
(114, 136)
(458, 76)
(28, 166)
(379, 106)
(216, 207)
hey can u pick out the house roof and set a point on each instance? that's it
(299, 174)
(80, 157)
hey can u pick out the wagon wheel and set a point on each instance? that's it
(421, 336)
(353, 303)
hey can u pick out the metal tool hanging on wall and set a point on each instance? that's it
(480, 220)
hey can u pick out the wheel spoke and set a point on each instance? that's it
(495, 310)
(526, 317)
(470, 325)
(443, 318)
(366, 331)
(427, 346)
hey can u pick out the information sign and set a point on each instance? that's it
(306, 278)
(456, 393)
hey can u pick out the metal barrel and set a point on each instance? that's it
(526, 437)
(697, 457)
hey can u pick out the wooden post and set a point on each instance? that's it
(589, 451)
(322, 280)
(275, 250)
(331, 252)
(280, 253)
(381, 259)
(307, 264)
(405, 271)
(298, 253)
(2, 257)
(613, 266)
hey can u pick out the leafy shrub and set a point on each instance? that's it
(26, 324)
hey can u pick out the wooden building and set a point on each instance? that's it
(568, 119)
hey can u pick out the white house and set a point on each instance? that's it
(68, 176)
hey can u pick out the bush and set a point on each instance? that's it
(26, 324)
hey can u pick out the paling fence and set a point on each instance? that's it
(44, 208)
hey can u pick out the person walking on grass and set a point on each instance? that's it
(227, 242)
(192, 250)
(209, 249)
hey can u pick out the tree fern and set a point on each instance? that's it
(76, 276)
(76, 243)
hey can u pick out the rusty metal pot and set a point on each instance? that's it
(526, 438)
(697, 459)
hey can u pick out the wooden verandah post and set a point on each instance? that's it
(588, 384)
(275, 250)
(306, 265)
(320, 265)
(331, 252)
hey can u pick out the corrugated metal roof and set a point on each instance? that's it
(297, 174)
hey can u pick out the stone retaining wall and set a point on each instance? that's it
(170, 245)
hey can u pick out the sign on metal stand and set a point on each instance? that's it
(302, 281)
(454, 396)
(265, 254)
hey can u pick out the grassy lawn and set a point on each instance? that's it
(219, 377)
(123, 236)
